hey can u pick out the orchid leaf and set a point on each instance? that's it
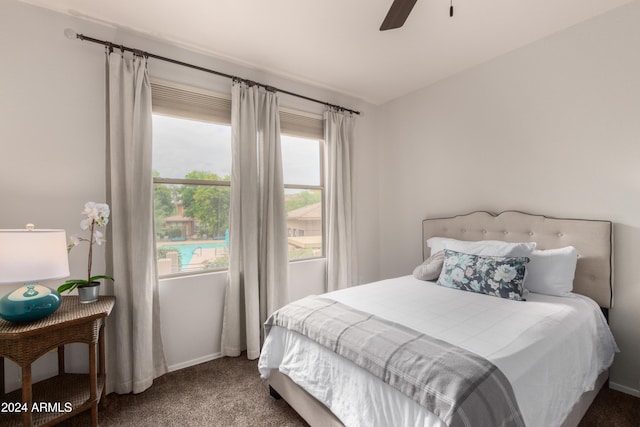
(95, 278)
(70, 285)
(65, 287)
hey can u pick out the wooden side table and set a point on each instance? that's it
(65, 395)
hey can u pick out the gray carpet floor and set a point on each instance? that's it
(229, 392)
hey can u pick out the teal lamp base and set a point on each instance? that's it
(28, 303)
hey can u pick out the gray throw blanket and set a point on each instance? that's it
(460, 387)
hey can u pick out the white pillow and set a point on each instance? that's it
(551, 272)
(437, 244)
(482, 247)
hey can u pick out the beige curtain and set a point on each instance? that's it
(135, 356)
(341, 259)
(258, 264)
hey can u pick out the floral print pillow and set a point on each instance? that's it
(498, 276)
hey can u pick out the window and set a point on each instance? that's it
(192, 180)
(192, 177)
(303, 165)
(304, 196)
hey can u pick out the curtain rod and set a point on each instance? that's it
(73, 35)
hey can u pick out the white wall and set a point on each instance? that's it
(191, 310)
(552, 128)
(52, 140)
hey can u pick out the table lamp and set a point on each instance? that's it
(27, 256)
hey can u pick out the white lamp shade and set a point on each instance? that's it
(32, 255)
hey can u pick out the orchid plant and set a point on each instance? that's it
(97, 216)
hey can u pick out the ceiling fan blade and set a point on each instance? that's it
(398, 13)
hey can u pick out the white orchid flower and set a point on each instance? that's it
(90, 210)
(100, 214)
(98, 237)
(86, 223)
(95, 212)
(74, 240)
(103, 208)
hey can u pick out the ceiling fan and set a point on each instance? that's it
(398, 13)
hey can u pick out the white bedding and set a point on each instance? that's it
(550, 348)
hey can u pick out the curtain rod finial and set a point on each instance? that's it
(70, 33)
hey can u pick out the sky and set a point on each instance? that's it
(181, 146)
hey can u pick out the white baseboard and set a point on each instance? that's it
(193, 362)
(624, 389)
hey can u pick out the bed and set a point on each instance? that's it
(554, 351)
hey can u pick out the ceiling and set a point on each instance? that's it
(336, 44)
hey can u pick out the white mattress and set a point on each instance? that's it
(550, 348)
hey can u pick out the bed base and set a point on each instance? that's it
(582, 405)
(307, 406)
(318, 415)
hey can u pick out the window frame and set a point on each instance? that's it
(192, 103)
(320, 188)
(185, 102)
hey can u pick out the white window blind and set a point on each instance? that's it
(301, 124)
(187, 102)
(193, 103)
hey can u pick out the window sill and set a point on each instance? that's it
(191, 274)
(224, 270)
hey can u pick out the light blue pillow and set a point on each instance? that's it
(497, 276)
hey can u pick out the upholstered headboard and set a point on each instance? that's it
(592, 238)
